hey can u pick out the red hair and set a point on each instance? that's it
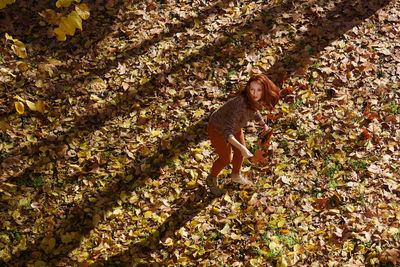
(270, 94)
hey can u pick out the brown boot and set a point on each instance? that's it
(212, 182)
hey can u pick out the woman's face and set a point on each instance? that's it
(256, 91)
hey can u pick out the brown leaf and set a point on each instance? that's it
(258, 157)
(321, 203)
(366, 134)
(390, 255)
(265, 139)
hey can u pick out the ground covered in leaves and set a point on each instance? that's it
(112, 173)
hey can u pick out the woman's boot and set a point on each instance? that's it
(212, 183)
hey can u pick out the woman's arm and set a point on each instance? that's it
(245, 152)
(261, 121)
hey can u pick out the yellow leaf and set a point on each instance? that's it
(3, 3)
(24, 201)
(244, 195)
(193, 174)
(40, 106)
(83, 11)
(311, 142)
(273, 245)
(393, 231)
(19, 98)
(350, 208)
(55, 62)
(50, 16)
(169, 242)
(67, 27)
(156, 133)
(246, 169)
(172, 92)
(315, 74)
(75, 20)
(225, 230)
(215, 210)
(285, 231)
(96, 219)
(199, 157)
(194, 247)
(96, 98)
(19, 107)
(310, 246)
(191, 185)
(235, 236)
(118, 211)
(194, 222)
(196, 23)
(143, 80)
(63, 3)
(60, 34)
(268, 60)
(19, 49)
(182, 260)
(198, 113)
(133, 199)
(291, 132)
(334, 211)
(22, 66)
(8, 37)
(227, 198)
(348, 246)
(31, 105)
(281, 166)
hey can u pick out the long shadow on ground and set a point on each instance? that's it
(80, 221)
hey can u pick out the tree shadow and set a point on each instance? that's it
(82, 221)
(191, 204)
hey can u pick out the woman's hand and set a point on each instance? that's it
(246, 153)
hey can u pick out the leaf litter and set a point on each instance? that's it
(112, 168)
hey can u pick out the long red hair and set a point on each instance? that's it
(270, 95)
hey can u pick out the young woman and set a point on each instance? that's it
(226, 123)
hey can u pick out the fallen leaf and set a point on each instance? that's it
(19, 107)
